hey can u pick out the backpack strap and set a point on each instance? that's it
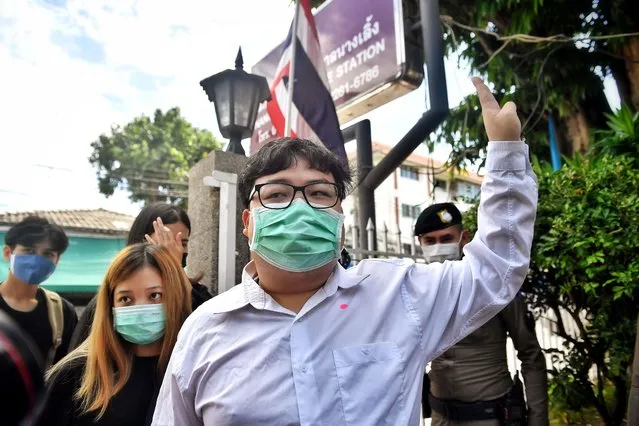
(56, 319)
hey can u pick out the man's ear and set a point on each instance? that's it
(6, 253)
(246, 215)
(465, 239)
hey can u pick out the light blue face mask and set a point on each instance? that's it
(298, 238)
(140, 324)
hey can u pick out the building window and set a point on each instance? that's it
(406, 249)
(467, 190)
(441, 184)
(409, 172)
(410, 211)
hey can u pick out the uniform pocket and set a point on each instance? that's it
(371, 382)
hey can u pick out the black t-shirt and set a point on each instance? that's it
(36, 324)
(199, 295)
(132, 406)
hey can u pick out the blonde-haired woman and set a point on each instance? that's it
(114, 376)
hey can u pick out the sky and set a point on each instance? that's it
(69, 70)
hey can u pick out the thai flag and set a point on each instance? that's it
(313, 114)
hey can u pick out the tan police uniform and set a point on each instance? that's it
(476, 371)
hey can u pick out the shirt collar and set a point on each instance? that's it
(250, 292)
(342, 278)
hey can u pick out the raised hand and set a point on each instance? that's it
(165, 238)
(502, 124)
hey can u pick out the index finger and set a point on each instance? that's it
(157, 230)
(486, 98)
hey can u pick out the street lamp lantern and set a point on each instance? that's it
(237, 96)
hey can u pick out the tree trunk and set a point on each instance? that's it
(621, 397)
(576, 131)
(631, 53)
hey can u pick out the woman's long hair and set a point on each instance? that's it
(109, 357)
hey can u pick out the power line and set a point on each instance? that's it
(46, 166)
(6, 191)
(527, 38)
(449, 22)
(147, 191)
(158, 181)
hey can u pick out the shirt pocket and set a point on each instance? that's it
(371, 382)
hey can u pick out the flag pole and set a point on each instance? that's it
(291, 74)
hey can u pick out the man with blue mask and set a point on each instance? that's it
(302, 341)
(33, 248)
(470, 383)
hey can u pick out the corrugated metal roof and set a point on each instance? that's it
(97, 221)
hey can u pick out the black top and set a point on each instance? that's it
(36, 324)
(20, 372)
(199, 295)
(132, 406)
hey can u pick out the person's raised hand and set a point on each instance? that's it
(165, 238)
(502, 124)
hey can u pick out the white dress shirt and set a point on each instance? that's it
(355, 354)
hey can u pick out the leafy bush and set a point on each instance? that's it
(585, 263)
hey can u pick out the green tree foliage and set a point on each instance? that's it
(561, 78)
(151, 157)
(585, 263)
(584, 268)
(555, 77)
(622, 137)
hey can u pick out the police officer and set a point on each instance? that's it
(470, 383)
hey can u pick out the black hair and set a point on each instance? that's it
(345, 259)
(283, 153)
(143, 223)
(34, 230)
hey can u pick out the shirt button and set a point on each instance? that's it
(303, 369)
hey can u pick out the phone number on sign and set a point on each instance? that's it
(356, 83)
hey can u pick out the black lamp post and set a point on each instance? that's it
(237, 96)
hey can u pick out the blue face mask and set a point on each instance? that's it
(31, 268)
(140, 324)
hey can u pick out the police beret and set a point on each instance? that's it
(436, 217)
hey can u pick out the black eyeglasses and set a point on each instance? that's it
(320, 195)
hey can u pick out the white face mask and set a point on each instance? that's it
(440, 252)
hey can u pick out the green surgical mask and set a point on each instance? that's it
(298, 238)
(140, 324)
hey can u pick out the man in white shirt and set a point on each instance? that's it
(301, 341)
